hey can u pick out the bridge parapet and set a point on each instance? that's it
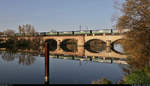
(104, 37)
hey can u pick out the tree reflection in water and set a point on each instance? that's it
(8, 56)
(23, 58)
(26, 59)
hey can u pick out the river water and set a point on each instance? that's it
(25, 68)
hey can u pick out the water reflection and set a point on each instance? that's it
(85, 65)
(26, 59)
(19, 68)
(8, 56)
(95, 45)
(93, 59)
(69, 45)
(23, 58)
(73, 70)
(68, 64)
(118, 48)
(74, 50)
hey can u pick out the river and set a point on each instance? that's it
(25, 68)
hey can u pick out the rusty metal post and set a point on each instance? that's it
(46, 53)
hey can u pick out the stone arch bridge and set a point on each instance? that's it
(81, 40)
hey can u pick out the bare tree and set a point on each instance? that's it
(116, 14)
(9, 32)
(136, 17)
(33, 30)
(23, 30)
(27, 29)
(20, 29)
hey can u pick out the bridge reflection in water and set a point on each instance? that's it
(93, 59)
(81, 53)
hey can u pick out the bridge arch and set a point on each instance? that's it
(118, 41)
(52, 44)
(95, 45)
(69, 45)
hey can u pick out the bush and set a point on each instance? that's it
(102, 81)
(138, 76)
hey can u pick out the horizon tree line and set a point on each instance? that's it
(23, 30)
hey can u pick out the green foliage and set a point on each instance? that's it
(138, 76)
(102, 81)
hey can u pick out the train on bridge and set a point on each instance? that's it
(81, 32)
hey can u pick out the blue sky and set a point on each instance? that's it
(61, 15)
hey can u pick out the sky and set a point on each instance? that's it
(60, 15)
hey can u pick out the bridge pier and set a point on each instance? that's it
(93, 34)
(108, 46)
(93, 57)
(58, 43)
(73, 58)
(108, 43)
(112, 60)
(41, 45)
(57, 56)
(108, 49)
(104, 58)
